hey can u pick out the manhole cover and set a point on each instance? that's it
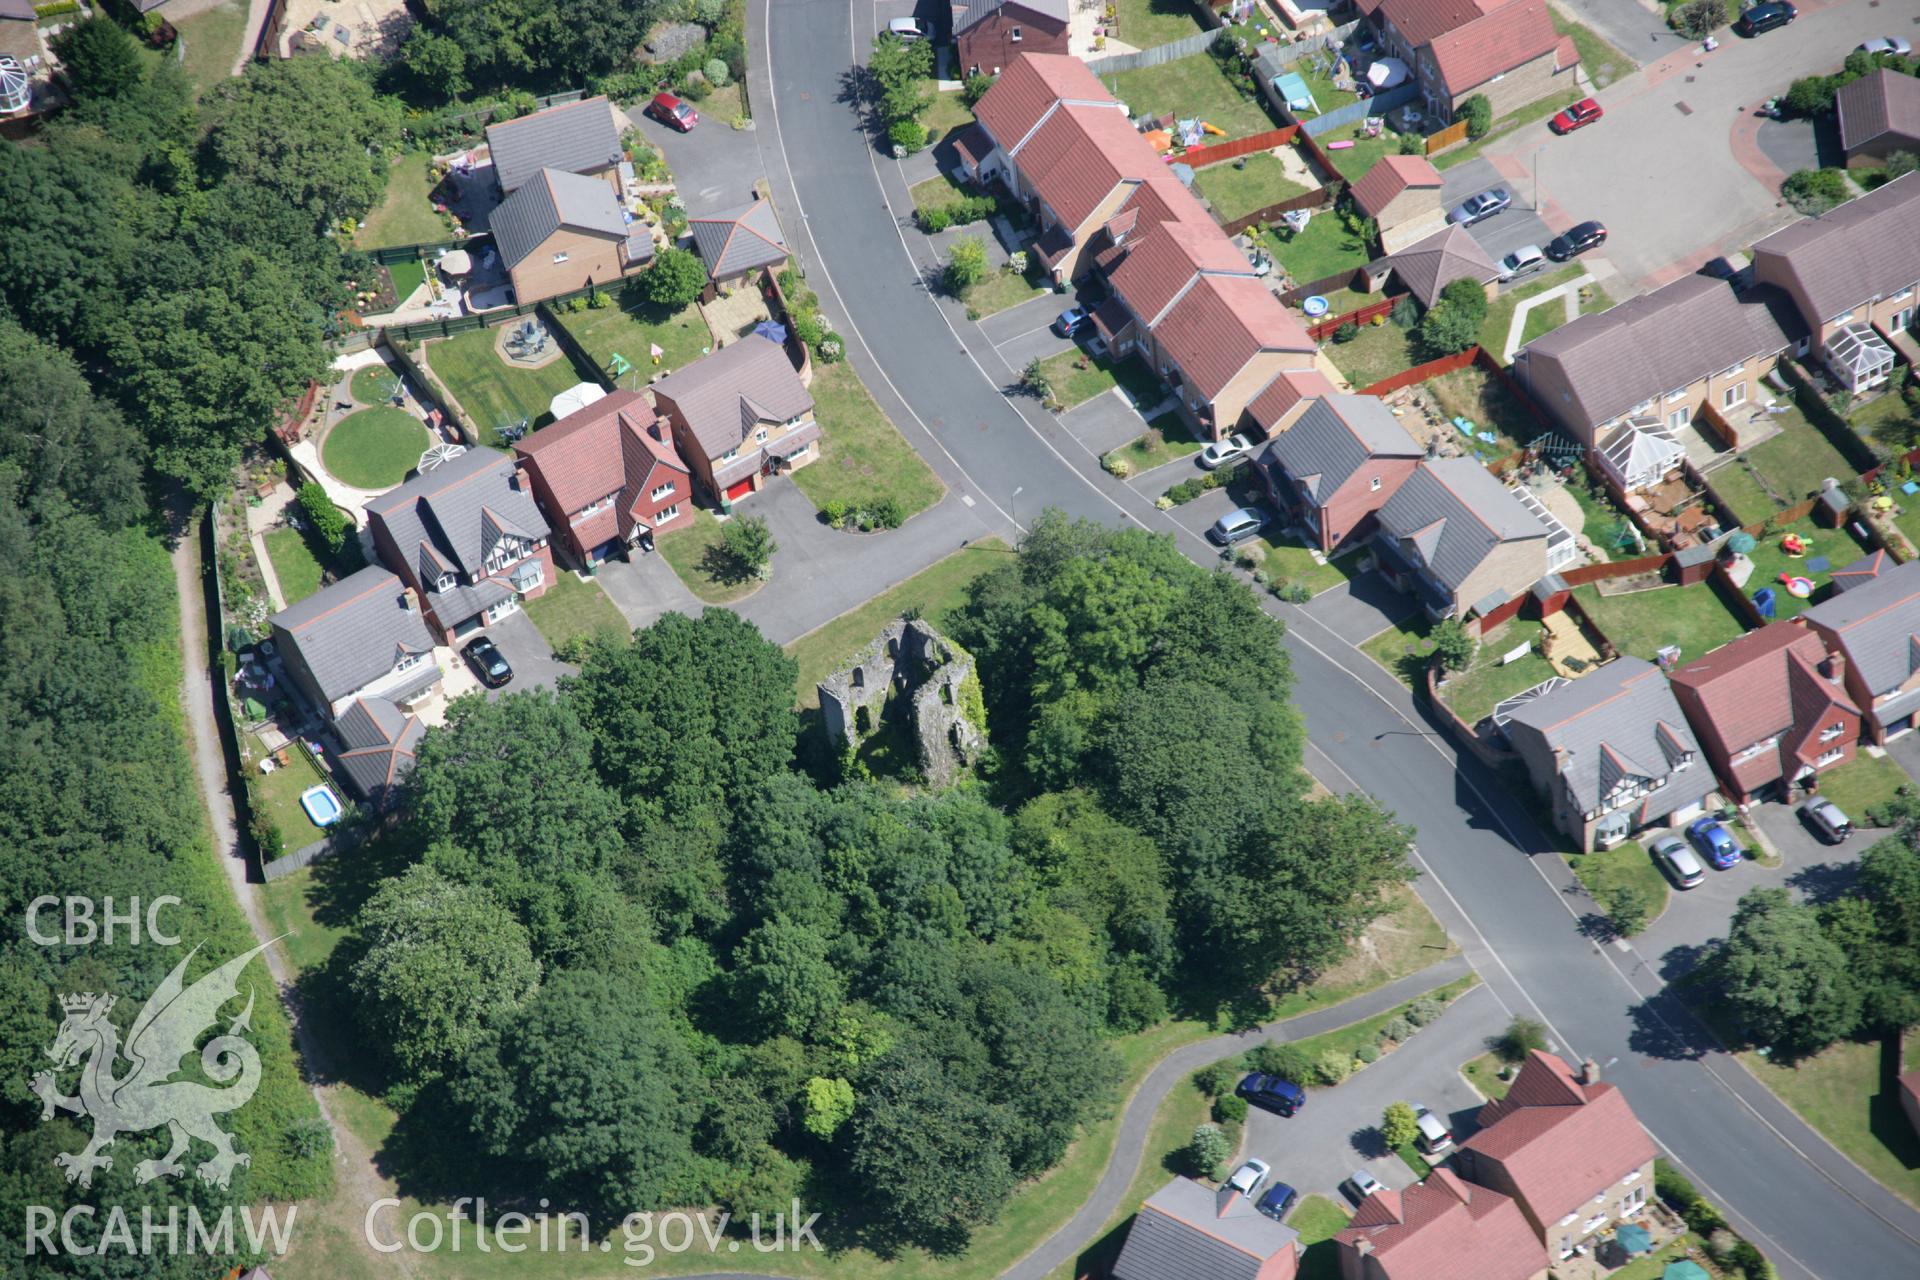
(1683, 108)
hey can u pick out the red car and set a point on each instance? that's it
(1578, 116)
(670, 110)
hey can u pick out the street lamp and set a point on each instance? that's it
(1536, 175)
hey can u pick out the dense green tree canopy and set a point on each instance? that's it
(63, 442)
(1785, 980)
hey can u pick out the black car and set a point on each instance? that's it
(1765, 17)
(1576, 240)
(488, 662)
(1273, 1093)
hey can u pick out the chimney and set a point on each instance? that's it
(409, 600)
(1834, 667)
(1363, 1246)
(1589, 1072)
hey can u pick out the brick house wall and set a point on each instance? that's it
(989, 45)
(1528, 82)
(590, 259)
(1733, 391)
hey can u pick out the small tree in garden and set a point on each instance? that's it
(1814, 191)
(749, 541)
(1698, 18)
(1628, 911)
(1034, 380)
(975, 88)
(1453, 323)
(966, 264)
(1398, 1125)
(1207, 1151)
(1522, 1036)
(1477, 111)
(1346, 332)
(675, 278)
(1453, 647)
(908, 135)
(330, 523)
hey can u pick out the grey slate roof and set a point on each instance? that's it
(1453, 513)
(1618, 721)
(721, 396)
(354, 631)
(1878, 623)
(968, 12)
(576, 138)
(380, 742)
(1335, 437)
(551, 200)
(1863, 249)
(454, 513)
(738, 240)
(1884, 102)
(1431, 264)
(1660, 341)
(1180, 1234)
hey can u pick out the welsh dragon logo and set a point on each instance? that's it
(147, 1095)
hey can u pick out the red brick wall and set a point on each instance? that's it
(989, 44)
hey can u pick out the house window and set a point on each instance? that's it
(559, 258)
(730, 454)
(409, 662)
(1642, 406)
(1828, 757)
(1803, 346)
(1566, 1246)
(1832, 731)
(1015, 35)
(1593, 1224)
(665, 514)
(1728, 373)
(760, 436)
(661, 491)
(1734, 395)
(1678, 393)
(1843, 318)
(1630, 1179)
(1679, 418)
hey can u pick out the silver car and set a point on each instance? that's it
(1680, 862)
(1891, 44)
(1478, 208)
(1221, 452)
(1824, 816)
(1523, 261)
(1365, 1184)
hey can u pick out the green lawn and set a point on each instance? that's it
(1601, 521)
(1695, 618)
(1794, 462)
(572, 609)
(1543, 320)
(1290, 560)
(1839, 546)
(1493, 334)
(1165, 439)
(1354, 161)
(1864, 782)
(405, 214)
(1598, 58)
(373, 385)
(1741, 490)
(1318, 1220)
(289, 904)
(948, 112)
(374, 448)
(1475, 692)
(1403, 648)
(213, 39)
(1193, 87)
(998, 291)
(1074, 385)
(1146, 23)
(863, 459)
(936, 191)
(633, 331)
(1605, 872)
(1483, 1073)
(1325, 248)
(1507, 124)
(1376, 352)
(492, 393)
(1235, 191)
(1887, 422)
(701, 559)
(278, 793)
(1845, 1092)
(407, 276)
(294, 564)
(934, 592)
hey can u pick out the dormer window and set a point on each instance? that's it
(1374, 486)
(1014, 35)
(660, 491)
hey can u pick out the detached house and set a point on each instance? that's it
(1566, 1147)
(1402, 195)
(739, 416)
(1771, 709)
(560, 232)
(468, 537)
(1652, 364)
(1339, 463)
(1460, 541)
(1441, 1227)
(990, 34)
(577, 137)
(1874, 627)
(1186, 1231)
(608, 477)
(735, 243)
(1507, 50)
(1613, 752)
(1852, 275)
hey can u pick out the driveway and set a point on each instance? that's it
(714, 167)
(534, 666)
(1105, 422)
(1361, 607)
(646, 588)
(1501, 234)
(1338, 1131)
(1636, 30)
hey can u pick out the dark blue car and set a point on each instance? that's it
(1715, 844)
(1278, 1201)
(1273, 1093)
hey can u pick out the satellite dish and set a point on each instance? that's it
(439, 453)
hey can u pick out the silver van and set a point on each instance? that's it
(1434, 1134)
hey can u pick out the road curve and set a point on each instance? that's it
(1493, 879)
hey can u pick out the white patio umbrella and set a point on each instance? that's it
(456, 263)
(575, 398)
(1386, 73)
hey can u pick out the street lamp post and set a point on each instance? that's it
(1536, 176)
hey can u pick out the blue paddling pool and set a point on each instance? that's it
(1314, 305)
(321, 805)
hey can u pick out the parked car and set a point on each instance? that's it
(1248, 1177)
(1478, 208)
(1365, 1184)
(1578, 116)
(1765, 17)
(670, 110)
(1678, 861)
(1715, 843)
(1278, 1202)
(1272, 1093)
(1891, 44)
(489, 663)
(1523, 261)
(1434, 1136)
(908, 29)
(1071, 321)
(1237, 526)
(1576, 240)
(1224, 451)
(1827, 821)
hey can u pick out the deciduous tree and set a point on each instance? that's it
(1784, 979)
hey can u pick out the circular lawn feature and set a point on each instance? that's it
(373, 385)
(374, 448)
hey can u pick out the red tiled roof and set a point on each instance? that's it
(1285, 391)
(1756, 686)
(1421, 20)
(1565, 53)
(1076, 159)
(1220, 324)
(604, 448)
(1390, 176)
(1495, 43)
(1446, 1229)
(1026, 90)
(1560, 1141)
(1161, 262)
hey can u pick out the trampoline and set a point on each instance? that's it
(1294, 92)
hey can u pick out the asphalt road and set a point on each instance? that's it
(1494, 881)
(1520, 224)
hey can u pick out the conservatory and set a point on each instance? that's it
(1859, 357)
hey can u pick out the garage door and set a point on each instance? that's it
(467, 628)
(739, 489)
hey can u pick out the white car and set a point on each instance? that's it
(1891, 44)
(907, 29)
(1248, 1177)
(1365, 1184)
(1221, 452)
